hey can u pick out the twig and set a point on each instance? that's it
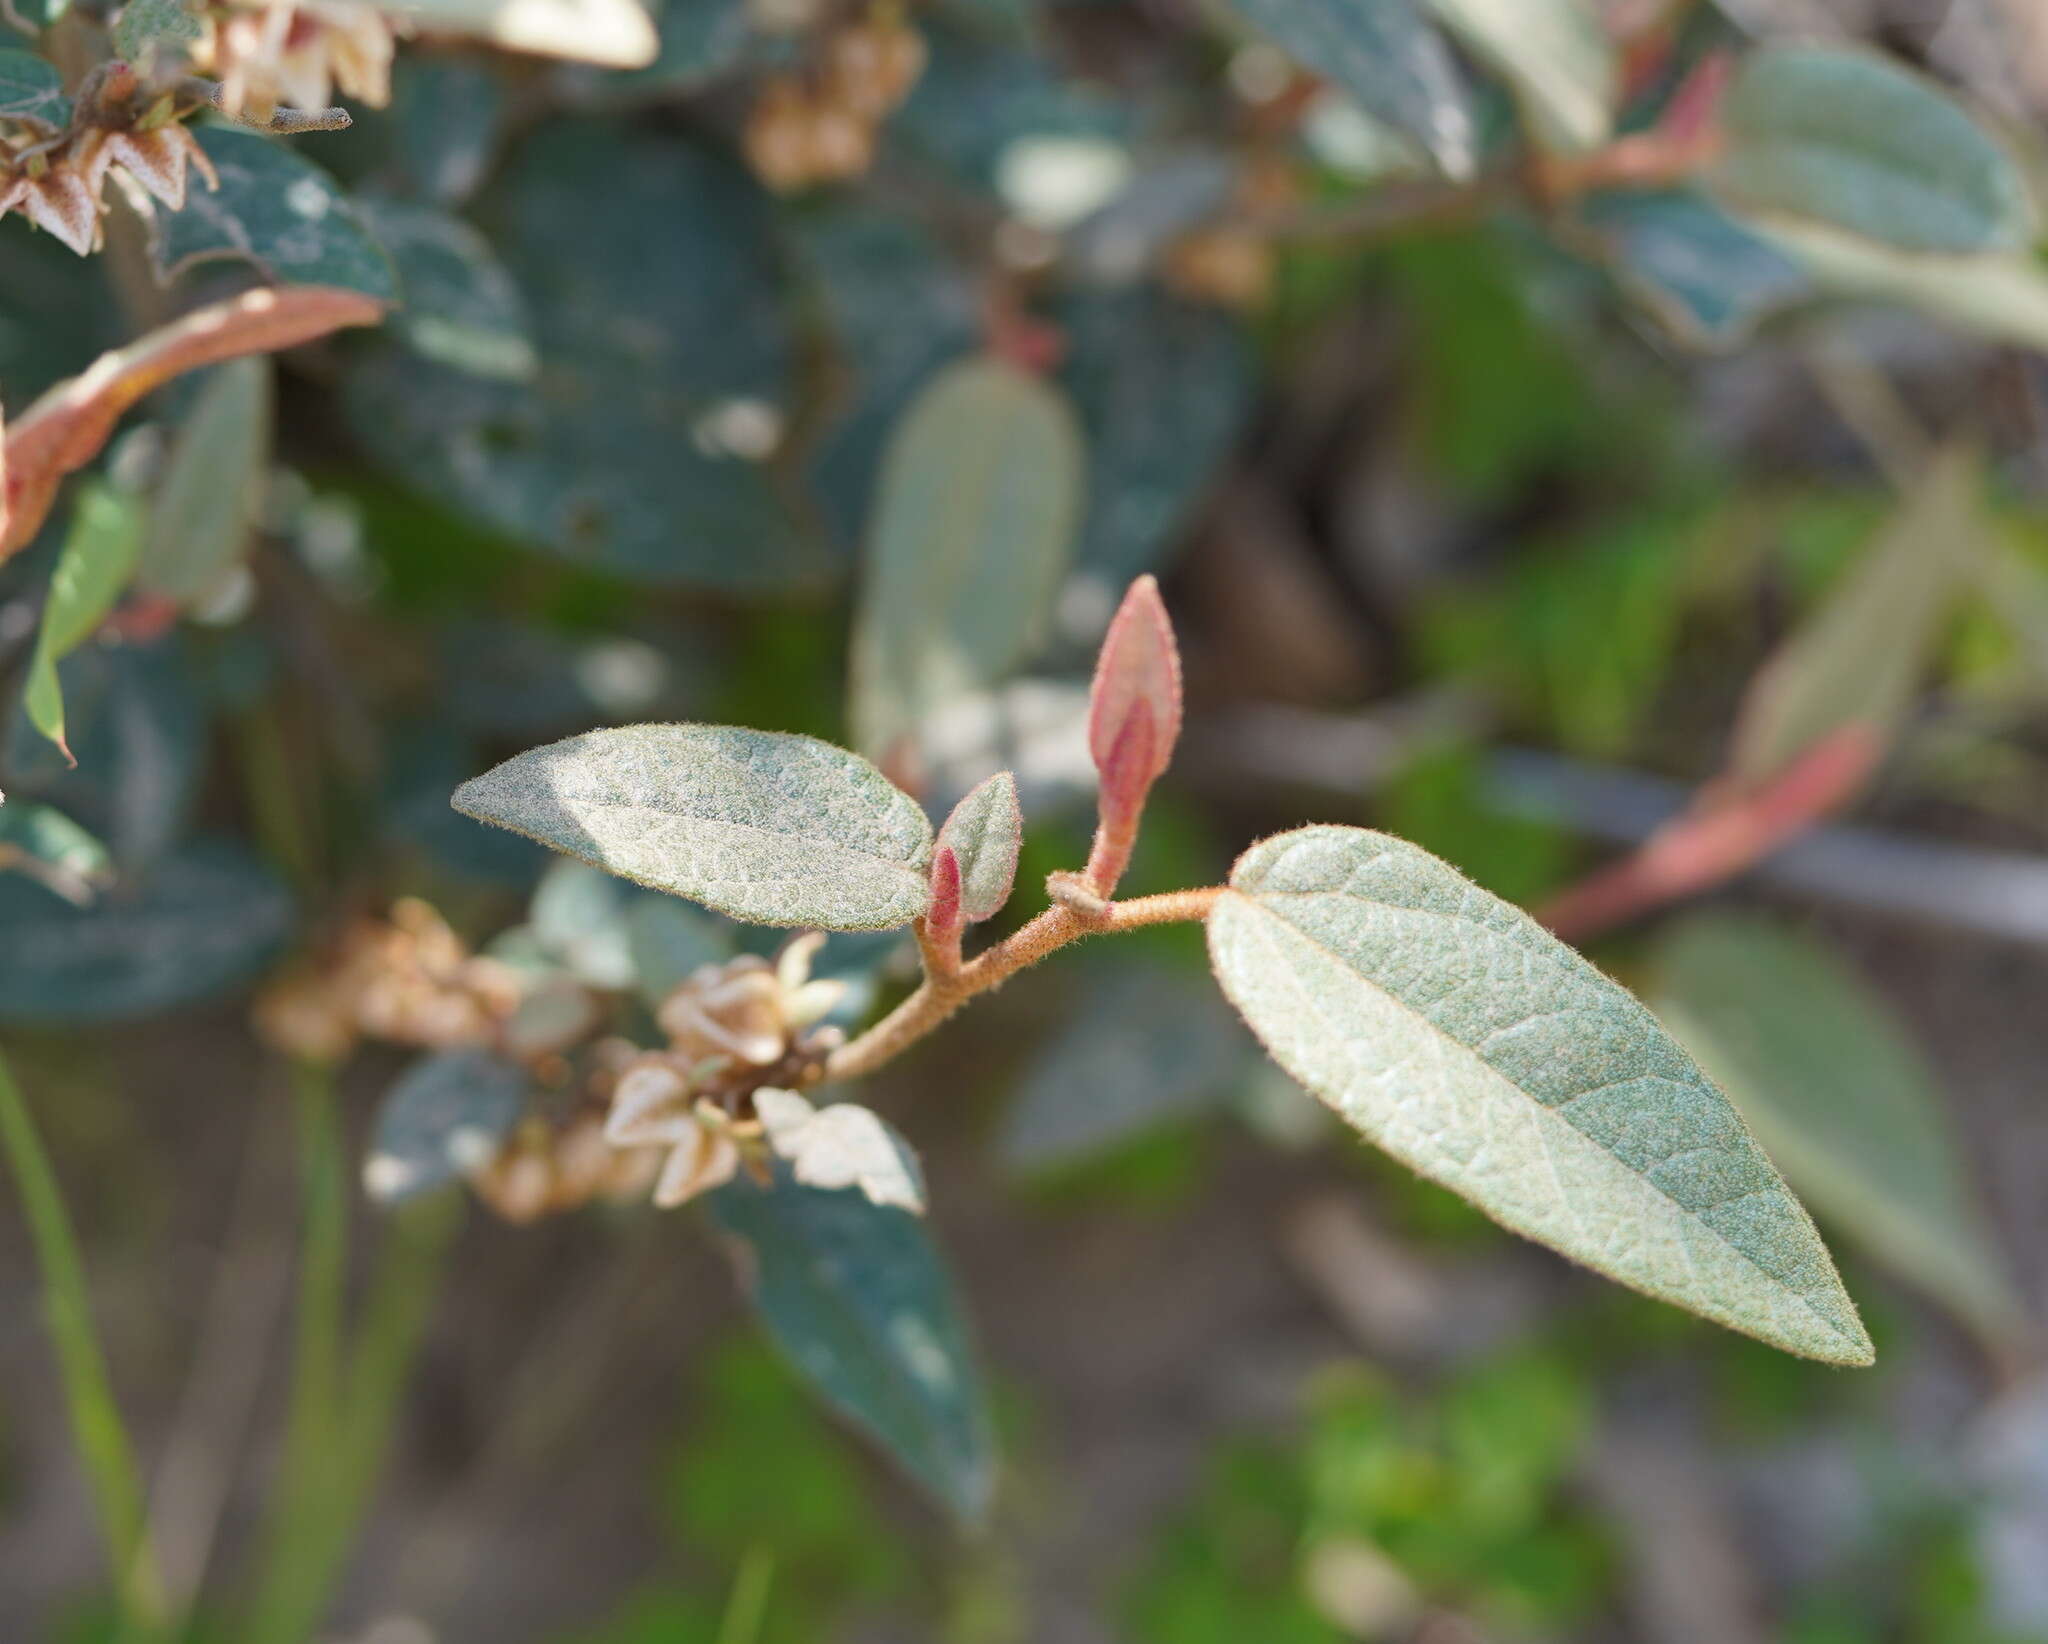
(286, 122)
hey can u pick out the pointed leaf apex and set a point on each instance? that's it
(1137, 678)
(983, 834)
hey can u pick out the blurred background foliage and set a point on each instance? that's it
(1514, 508)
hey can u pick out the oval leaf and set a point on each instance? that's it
(1842, 1097)
(972, 533)
(985, 833)
(444, 1118)
(202, 513)
(200, 922)
(766, 827)
(857, 1299)
(1459, 1035)
(1851, 139)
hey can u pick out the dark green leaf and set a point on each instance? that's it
(32, 90)
(856, 1297)
(276, 210)
(770, 828)
(1851, 139)
(972, 534)
(1706, 277)
(196, 924)
(1456, 1033)
(1389, 58)
(443, 1119)
(461, 307)
(1842, 1098)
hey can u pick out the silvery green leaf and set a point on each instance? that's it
(274, 209)
(842, 1145)
(195, 924)
(1556, 54)
(855, 1295)
(1844, 1100)
(1456, 1033)
(443, 1119)
(31, 89)
(985, 831)
(205, 505)
(973, 530)
(770, 828)
(144, 28)
(1853, 140)
(1389, 57)
(579, 917)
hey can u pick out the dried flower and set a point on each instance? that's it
(545, 1169)
(756, 1019)
(60, 189)
(296, 52)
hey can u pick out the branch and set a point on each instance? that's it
(286, 122)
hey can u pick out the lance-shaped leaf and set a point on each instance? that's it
(31, 90)
(443, 1119)
(1858, 660)
(1134, 708)
(1555, 53)
(100, 551)
(766, 827)
(65, 429)
(1449, 1028)
(855, 1295)
(1843, 1099)
(1389, 57)
(843, 1145)
(197, 923)
(205, 507)
(984, 834)
(973, 530)
(1851, 139)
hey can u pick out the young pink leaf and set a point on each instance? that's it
(984, 833)
(1134, 710)
(942, 919)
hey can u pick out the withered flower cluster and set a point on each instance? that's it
(820, 126)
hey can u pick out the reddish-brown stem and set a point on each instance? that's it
(940, 995)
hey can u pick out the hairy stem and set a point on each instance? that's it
(942, 993)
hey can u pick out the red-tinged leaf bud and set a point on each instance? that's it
(1134, 710)
(942, 920)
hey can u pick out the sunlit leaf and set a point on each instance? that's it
(444, 1118)
(841, 1145)
(100, 552)
(1143, 1046)
(770, 828)
(2003, 298)
(278, 210)
(1389, 58)
(193, 926)
(984, 833)
(973, 530)
(1859, 658)
(1845, 1102)
(856, 1297)
(1852, 139)
(609, 33)
(205, 505)
(31, 89)
(1453, 1031)
(1555, 53)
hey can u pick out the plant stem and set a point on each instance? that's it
(96, 1423)
(747, 1609)
(940, 995)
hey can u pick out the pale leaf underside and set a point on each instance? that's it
(1456, 1033)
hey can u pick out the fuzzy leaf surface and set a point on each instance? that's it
(443, 1118)
(855, 1295)
(1853, 140)
(766, 827)
(986, 830)
(973, 530)
(1456, 1033)
(1821, 1069)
